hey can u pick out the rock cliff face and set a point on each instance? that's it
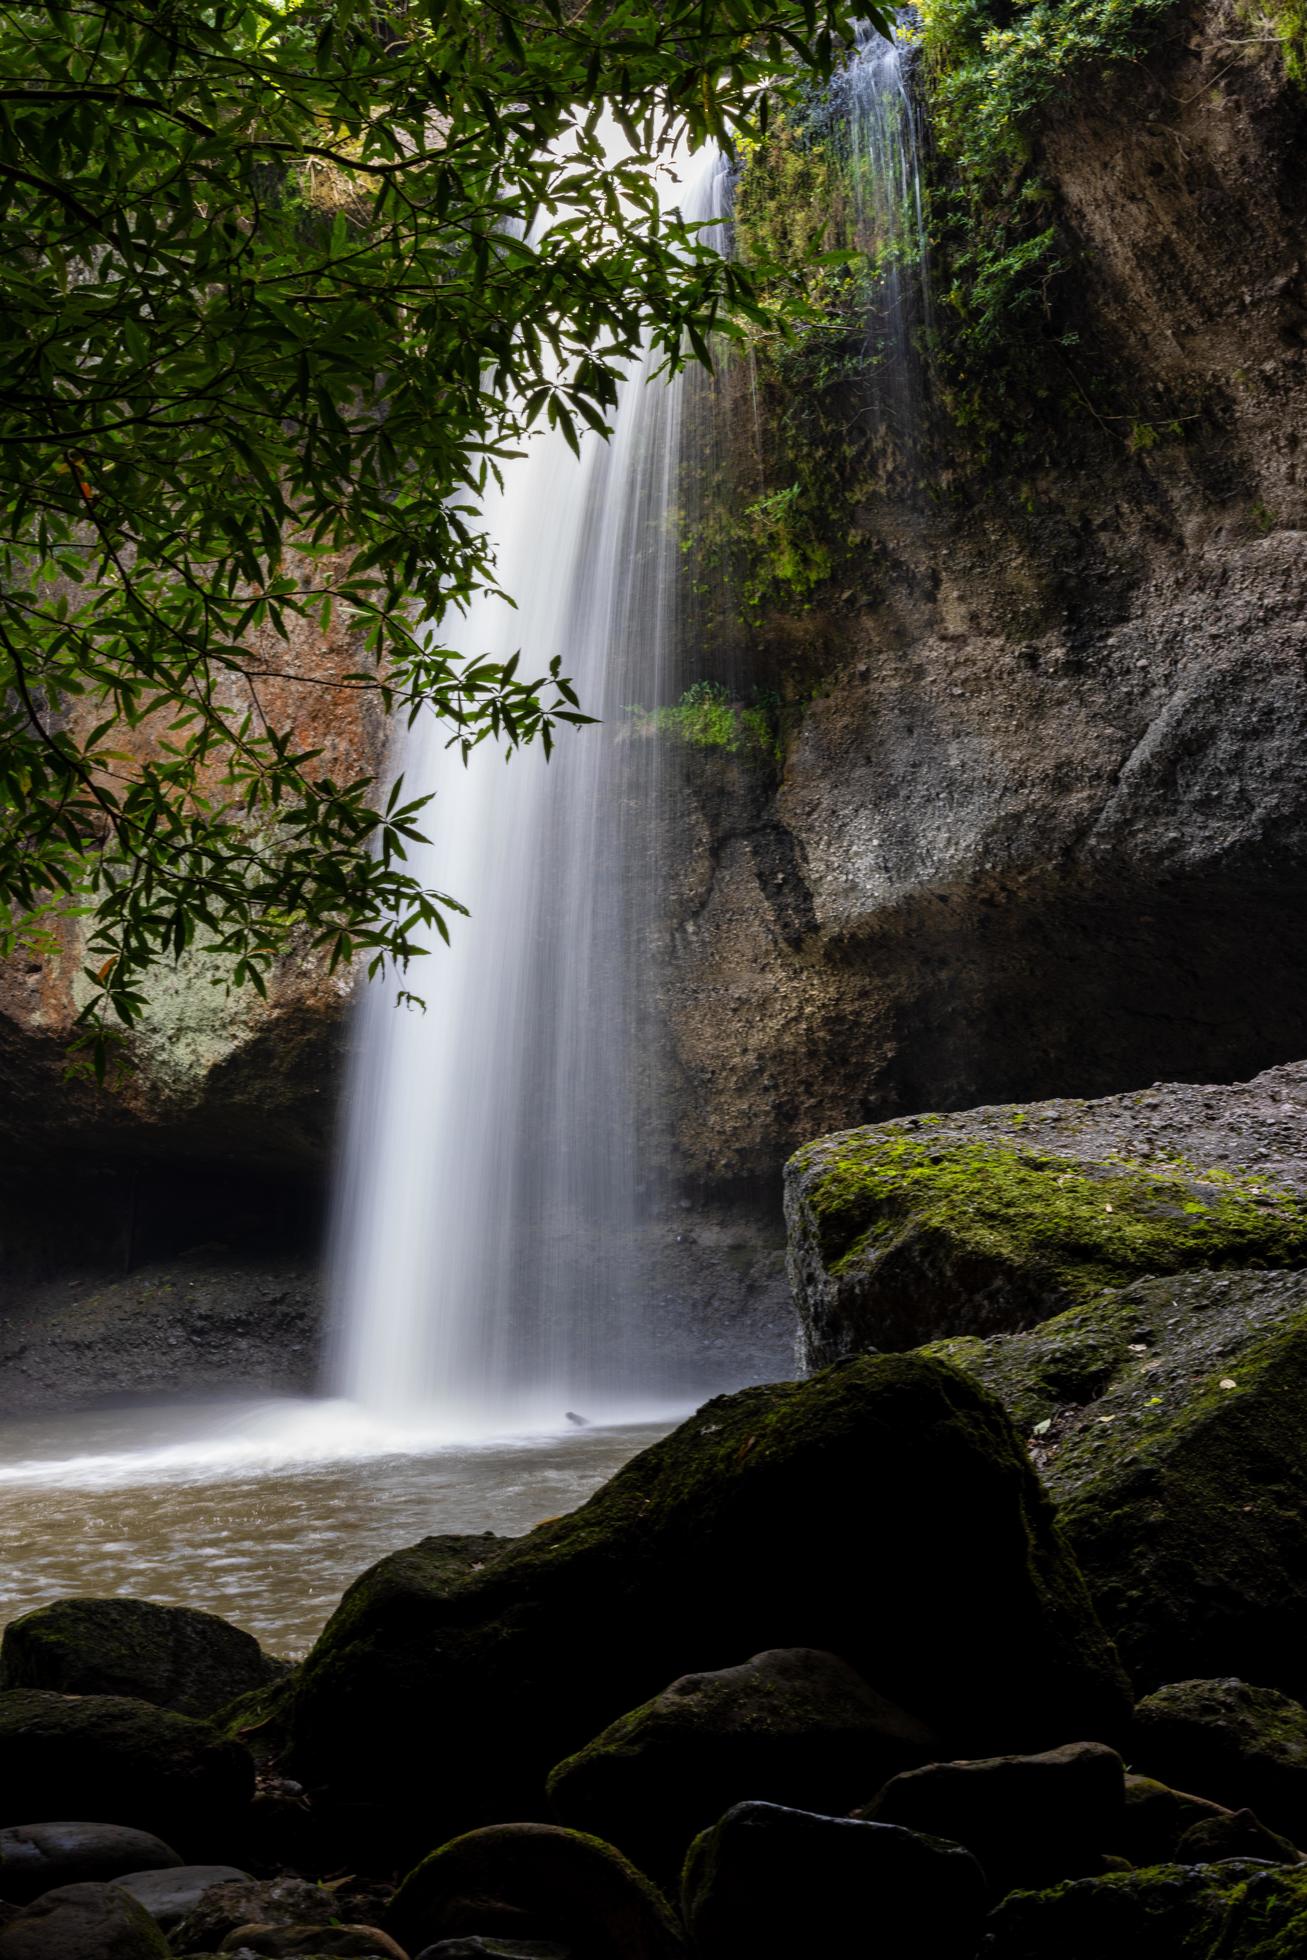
(1041, 826)
(1037, 823)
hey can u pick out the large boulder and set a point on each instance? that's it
(1028, 1819)
(1169, 1422)
(874, 1512)
(768, 1883)
(123, 1761)
(172, 1656)
(1244, 1746)
(989, 1220)
(540, 1881)
(1233, 1910)
(794, 1727)
(35, 1858)
(83, 1922)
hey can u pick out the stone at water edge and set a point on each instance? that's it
(168, 1896)
(1029, 1819)
(794, 1726)
(759, 1523)
(125, 1761)
(173, 1656)
(986, 1220)
(1169, 1424)
(771, 1884)
(542, 1882)
(35, 1858)
(83, 1922)
(1244, 1746)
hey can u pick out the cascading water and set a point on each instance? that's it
(492, 1175)
(873, 101)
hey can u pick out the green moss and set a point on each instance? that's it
(1081, 1226)
(705, 717)
(1282, 21)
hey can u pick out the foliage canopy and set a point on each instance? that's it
(274, 301)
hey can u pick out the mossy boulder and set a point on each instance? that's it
(794, 1727)
(885, 1511)
(536, 1881)
(172, 1656)
(1169, 1423)
(992, 1220)
(123, 1762)
(83, 1922)
(1243, 1745)
(1234, 1910)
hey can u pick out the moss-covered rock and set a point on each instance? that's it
(122, 1762)
(83, 1922)
(1235, 1910)
(995, 1219)
(173, 1656)
(1245, 1746)
(1169, 1422)
(540, 1881)
(875, 1512)
(793, 1727)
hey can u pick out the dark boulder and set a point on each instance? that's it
(244, 1902)
(1243, 1746)
(83, 1922)
(758, 1523)
(793, 1726)
(767, 1883)
(124, 1761)
(1028, 1819)
(536, 1881)
(172, 1656)
(168, 1896)
(36, 1858)
(1169, 1423)
(1230, 1911)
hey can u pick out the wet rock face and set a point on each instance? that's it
(196, 1325)
(1046, 792)
(994, 1219)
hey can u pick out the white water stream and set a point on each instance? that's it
(493, 1176)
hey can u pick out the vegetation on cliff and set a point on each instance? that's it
(277, 303)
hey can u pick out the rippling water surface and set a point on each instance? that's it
(265, 1511)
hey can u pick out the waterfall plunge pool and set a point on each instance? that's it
(265, 1511)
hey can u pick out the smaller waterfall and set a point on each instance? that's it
(873, 99)
(493, 1179)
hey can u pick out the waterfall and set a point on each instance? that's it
(873, 100)
(492, 1174)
